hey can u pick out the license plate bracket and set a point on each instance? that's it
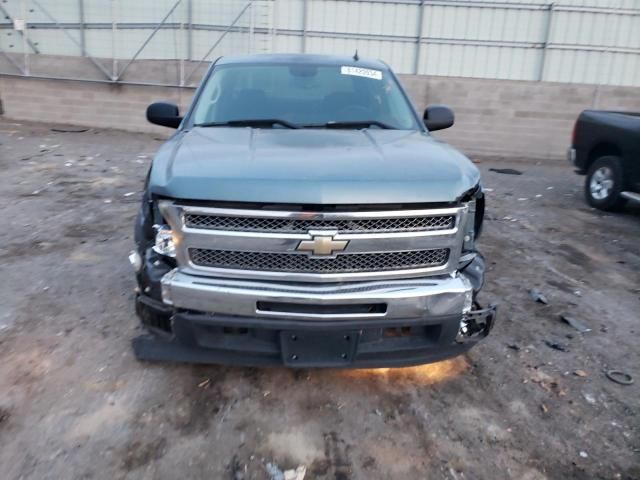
(303, 348)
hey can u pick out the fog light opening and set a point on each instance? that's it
(165, 287)
(135, 260)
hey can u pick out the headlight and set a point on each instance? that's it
(164, 244)
(474, 198)
(469, 228)
(479, 212)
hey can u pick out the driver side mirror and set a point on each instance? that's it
(165, 114)
(438, 117)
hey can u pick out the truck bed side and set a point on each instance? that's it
(600, 133)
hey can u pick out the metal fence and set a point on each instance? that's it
(575, 41)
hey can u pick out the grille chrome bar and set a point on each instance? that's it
(315, 215)
(375, 253)
(297, 225)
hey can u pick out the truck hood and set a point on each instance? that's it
(310, 166)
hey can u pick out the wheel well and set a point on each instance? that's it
(601, 150)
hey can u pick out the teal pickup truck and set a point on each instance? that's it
(303, 215)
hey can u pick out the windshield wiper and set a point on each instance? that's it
(356, 124)
(257, 122)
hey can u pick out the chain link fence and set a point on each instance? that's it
(170, 42)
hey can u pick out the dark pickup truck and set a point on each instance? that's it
(606, 148)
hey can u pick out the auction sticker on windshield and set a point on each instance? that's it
(361, 72)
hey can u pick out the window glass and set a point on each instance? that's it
(304, 94)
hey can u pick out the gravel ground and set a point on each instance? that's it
(74, 403)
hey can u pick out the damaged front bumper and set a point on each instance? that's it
(359, 324)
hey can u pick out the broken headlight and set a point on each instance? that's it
(164, 241)
(474, 199)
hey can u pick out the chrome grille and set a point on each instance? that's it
(288, 225)
(300, 263)
(262, 242)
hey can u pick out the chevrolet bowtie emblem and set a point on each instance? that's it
(322, 245)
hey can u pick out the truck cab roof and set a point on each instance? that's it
(298, 58)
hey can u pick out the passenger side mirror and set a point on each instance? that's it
(438, 117)
(165, 114)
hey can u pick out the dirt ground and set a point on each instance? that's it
(75, 404)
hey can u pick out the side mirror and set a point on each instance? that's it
(438, 117)
(165, 114)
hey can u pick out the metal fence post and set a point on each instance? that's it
(305, 14)
(274, 26)
(182, 52)
(547, 36)
(614, 34)
(416, 60)
(114, 29)
(25, 37)
(83, 42)
(252, 26)
(189, 30)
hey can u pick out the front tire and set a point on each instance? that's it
(604, 184)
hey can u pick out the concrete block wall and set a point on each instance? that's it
(503, 118)
(86, 103)
(515, 118)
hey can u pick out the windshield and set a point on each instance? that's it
(303, 96)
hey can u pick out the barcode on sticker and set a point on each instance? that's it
(361, 72)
